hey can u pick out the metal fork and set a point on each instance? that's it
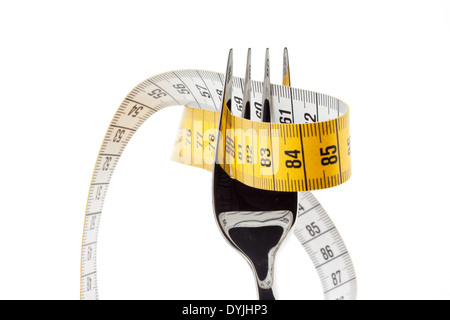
(253, 221)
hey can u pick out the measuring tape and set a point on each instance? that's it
(268, 156)
(308, 150)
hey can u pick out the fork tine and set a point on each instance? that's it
(247, 87)
(286, 71)
(267, 97)
(226, 103)
(229, 81)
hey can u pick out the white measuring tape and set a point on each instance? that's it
(203, 90)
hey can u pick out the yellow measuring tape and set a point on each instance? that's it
(269, 156)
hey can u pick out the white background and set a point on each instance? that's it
(65, 66)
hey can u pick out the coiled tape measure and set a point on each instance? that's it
(308, 149)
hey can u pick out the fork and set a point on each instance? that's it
(255, 222)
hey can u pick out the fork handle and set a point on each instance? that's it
(265, 294)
